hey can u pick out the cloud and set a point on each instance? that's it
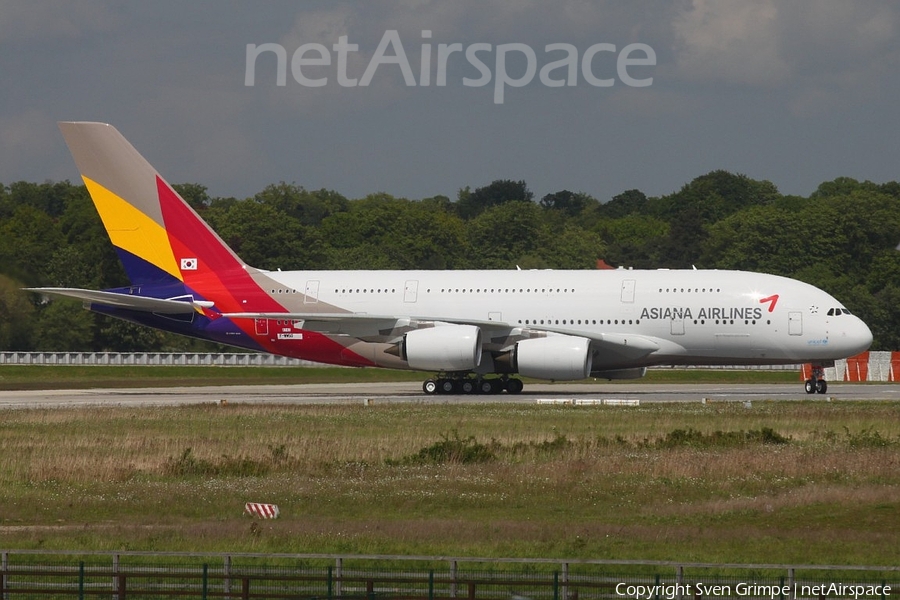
(27, 137)
(730, 41)
(23, 22)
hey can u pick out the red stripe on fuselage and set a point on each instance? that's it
(220, 277)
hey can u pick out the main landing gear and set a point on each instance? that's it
(466, 385)
(816, 383)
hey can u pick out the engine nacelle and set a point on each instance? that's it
(560, 357)
(443, 348)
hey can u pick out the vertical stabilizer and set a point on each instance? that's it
(159, 237)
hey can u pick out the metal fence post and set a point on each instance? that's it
(330, 583)
(431, 584)
(565, 581)
(115, 575)
(81, 580)
(679, 579)
(205, 581)
(339, 574)
(226, 583)
(555, 585)
(453, 569)
(792, 583)
(4, 566)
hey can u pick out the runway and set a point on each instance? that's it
(411, 392)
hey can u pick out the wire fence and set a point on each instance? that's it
(118, 576)
(236, 359)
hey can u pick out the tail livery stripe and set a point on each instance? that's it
(132, 231)
(169, 251)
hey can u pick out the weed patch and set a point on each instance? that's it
(452, 450)
(188, 465)
(869, 438)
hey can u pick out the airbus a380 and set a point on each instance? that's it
(473, 329)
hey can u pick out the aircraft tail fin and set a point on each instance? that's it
(160, 239)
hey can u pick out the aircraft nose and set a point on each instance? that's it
(857, 337)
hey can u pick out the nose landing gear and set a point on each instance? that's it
(816, 383)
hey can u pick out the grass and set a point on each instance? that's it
(798, 482)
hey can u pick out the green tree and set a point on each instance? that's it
(634, 240)
(570, 203)
(266, 237)
(28, 240)
(381, 232)
(503, 236)
(63, 325)
(310, 208)
(714, 196)
(501, 191)
(15, 316)
(194, 194)
(627, 203)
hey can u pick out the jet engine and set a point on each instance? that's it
(560, 357)
(443, 348)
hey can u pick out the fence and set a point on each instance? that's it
(38, 574)
(237, 359)
(868, 366)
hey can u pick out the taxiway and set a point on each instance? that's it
(378, 393)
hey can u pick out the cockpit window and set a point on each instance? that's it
(846, 312)
(830, 312)
(836, 312)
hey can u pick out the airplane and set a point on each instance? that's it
(474, 330)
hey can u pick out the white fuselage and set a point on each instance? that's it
(696, 316)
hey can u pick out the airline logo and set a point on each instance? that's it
(188, 264)
(771, 301)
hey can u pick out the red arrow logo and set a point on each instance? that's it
(772, 300)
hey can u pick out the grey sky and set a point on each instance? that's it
(794, 92)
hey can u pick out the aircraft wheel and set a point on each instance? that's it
(486, 386)
(821, 386)
(468, 386)
(430, 386)
(445, 386)
(514, 386)
(810, 386)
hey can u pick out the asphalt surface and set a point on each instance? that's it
(380, 393)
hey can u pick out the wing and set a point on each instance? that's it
(171, 306)
(498, 334)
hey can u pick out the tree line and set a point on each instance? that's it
(841, 238)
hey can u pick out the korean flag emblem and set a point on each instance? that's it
(188, 264)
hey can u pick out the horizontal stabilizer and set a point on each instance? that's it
(139, 303)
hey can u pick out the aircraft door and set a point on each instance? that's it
(411, 291)
(262, 326)
(795, 323)
(628, 291)
(311, 295)
(677, 323)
